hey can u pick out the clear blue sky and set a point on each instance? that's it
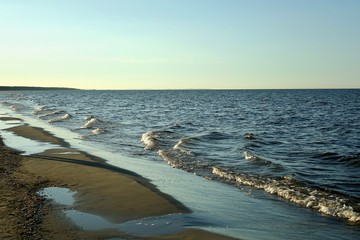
(166, 44)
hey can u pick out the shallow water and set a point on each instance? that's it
(25, 145)
(296, 151)
(158, 225)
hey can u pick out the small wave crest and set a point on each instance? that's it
(249, 155)
(329, 203)
(150, 141)
(39, 110)
(153, 140)
(249, 136)
(50, 114)
(179, 146)
(98, 131)
(91, 121)
(176, 161)
(44, 112)
(60, 119)
(166, 156)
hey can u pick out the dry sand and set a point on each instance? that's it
(102, 189)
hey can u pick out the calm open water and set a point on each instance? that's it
(300, 146)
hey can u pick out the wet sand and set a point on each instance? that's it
(115, 194)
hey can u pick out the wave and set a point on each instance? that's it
(90, 135)
(150, 141)
(39, 110)
(51, 113)
(184, 163)
(153, 140)
(98, 131)
(326, 202)
(249, 155)
(44, 112)
(91, 121)
(180, 144)
(262, 161)
(166, 156)
(60, 119)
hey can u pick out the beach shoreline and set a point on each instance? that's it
(99, 190)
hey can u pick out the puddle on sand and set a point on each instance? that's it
(63, 196)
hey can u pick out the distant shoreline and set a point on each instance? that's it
(21, 88)
(24, 88)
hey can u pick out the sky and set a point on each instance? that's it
(180, 44)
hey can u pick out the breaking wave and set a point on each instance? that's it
(182, 162)
(326, 202)
(49, 114)
(155, 140)
(98, 131)
(250, 156)
(179, 156)
(245, 145)
(60, 119)
(39, 110)
(166, 156)
(179, 146)
(150, 141)
(91, 121)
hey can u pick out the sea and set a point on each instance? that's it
(252, 164)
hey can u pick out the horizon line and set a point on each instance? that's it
(176, 89)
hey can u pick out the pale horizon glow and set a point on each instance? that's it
(198, 44)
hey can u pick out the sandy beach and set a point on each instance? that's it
(114, 194)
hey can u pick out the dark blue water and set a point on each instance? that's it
(300, 145)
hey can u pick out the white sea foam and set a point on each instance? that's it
(325, 202)
(39, 110)
(149, 140)
(60, 119)
(167, 158)
(249, 156)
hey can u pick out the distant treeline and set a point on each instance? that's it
(19, 88)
